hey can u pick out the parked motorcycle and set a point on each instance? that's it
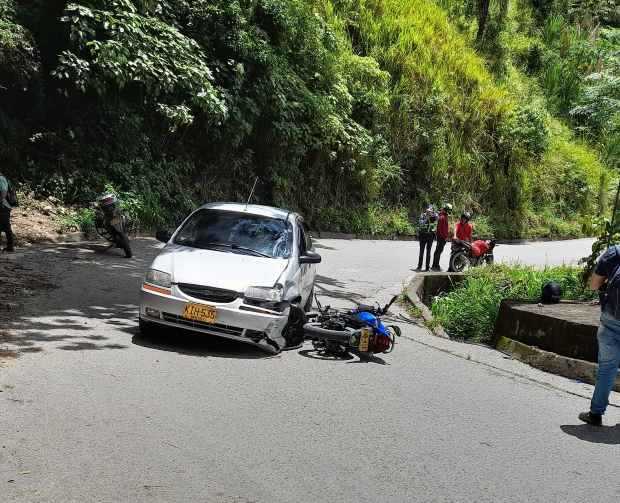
(359, 331)
(111, 224)
(465, 254)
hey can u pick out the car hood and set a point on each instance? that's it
(219, 269)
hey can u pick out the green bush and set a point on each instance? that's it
(373, 220)
(470, 310)
(82, 220)
(353, 112)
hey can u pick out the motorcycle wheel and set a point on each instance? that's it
(459, 262)
(489, 259)
(316, 331)
(123, 242)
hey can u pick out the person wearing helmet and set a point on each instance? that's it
(443, 234)
(427, 226)
(464, 230)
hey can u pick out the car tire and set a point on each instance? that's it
(294, 329)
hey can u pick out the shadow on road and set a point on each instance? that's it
(313, 354)
(70, 296)
(335, 289)
(609, 435)
(321, 246)
(176, 341)
(345, 358)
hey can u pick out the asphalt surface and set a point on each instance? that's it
(92, 412)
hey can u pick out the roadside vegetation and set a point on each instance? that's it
(470, 310)
(353, 112)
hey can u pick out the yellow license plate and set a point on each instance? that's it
(200, 312)
(364, 340)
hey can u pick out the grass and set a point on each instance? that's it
(82, 220)
(373, 220)
(470, 310)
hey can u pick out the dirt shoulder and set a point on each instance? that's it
(38, 220)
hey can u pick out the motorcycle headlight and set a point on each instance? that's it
(268, 294)
(158, 278)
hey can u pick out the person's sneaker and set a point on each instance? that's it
(590, 418)
(418, 269)
(436, 269)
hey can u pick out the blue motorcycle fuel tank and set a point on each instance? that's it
(372, 321)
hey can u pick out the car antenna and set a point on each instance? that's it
(251, 193)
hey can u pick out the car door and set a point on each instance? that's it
(308, 271)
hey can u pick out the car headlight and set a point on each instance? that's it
(158, 278)
(268, 294)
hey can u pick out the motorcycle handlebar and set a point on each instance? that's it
(389, 304)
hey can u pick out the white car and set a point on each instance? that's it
(243, 272)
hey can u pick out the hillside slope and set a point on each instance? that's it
(355, 112)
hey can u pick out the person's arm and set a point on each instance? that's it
(604, 268)
(597, 281)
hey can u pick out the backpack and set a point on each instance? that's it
(11, 196)
(610, 297)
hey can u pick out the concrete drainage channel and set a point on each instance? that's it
(560, 339)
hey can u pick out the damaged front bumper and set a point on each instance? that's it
(235, 321)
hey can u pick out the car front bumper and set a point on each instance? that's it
(235, 320)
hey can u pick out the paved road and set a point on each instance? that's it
(91, 412)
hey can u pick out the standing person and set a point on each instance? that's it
(5, 214)
(464, 230)
(443, 234)
(427, 225)
(606, 279)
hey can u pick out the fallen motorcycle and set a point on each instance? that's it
(359, 331)
(465, 254)
(111, 224)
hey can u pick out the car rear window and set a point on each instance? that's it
(237, 232)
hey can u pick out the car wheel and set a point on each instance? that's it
(294, 330)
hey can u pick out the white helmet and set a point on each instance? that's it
(107, 200)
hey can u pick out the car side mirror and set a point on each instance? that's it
(310, 257)
(163, 236)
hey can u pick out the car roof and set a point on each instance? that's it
(252, 209)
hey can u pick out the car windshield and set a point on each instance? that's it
(238, 233)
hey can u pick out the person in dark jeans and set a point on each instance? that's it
(427, 226)
(606, 279)
(443, 234)
(5, 214)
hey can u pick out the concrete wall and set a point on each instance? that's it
(560, 338)
(432, 284)
(567, 329)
